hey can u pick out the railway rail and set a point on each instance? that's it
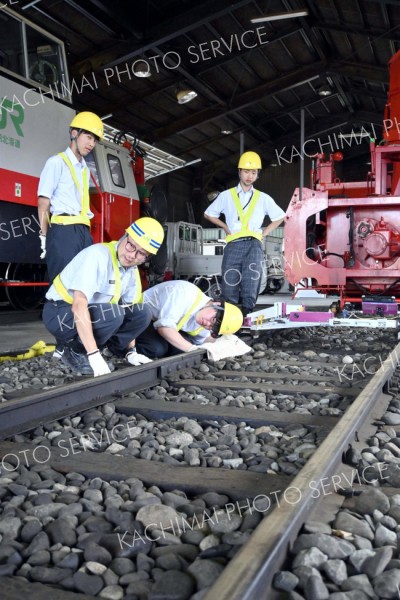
(238, 393)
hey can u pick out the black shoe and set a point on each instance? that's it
(77, 362)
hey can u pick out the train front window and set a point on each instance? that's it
(11, 45)
(44, 65)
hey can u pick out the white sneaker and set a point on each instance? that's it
(58, 352)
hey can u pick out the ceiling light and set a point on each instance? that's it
(184, 96)
(292, 14)
(324, 91)
(143, 69)
(354, 134)
(212, 195)
(226, 130)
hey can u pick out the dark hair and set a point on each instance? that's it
(218, 319)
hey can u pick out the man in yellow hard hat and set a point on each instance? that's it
(184, 318)
(63, 196)
(97, 300)
(244, 208)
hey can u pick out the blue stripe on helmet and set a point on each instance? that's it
(137, 229)
(154, 244)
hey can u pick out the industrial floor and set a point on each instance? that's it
(20, 330)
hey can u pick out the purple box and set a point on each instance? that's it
(310, 317)
(379, 308)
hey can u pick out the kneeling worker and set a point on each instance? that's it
(96, 300)
(184, 318)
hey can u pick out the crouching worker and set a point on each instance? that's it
(183, 319)
(96, 300)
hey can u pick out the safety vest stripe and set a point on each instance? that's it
(82, 218)
(63, 292)
(244, 217)
(187, 315)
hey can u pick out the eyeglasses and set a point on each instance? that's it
(138, 253)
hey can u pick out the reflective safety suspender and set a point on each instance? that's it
(62, 290)
(82, 218)
(188, 314)
(244, 217)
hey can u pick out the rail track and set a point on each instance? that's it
(264, 490)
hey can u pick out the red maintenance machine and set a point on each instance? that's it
(344, 237)
(35, 114)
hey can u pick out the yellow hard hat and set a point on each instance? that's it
(250, 160)
(232, 319)
(148, 233)
(90, 122)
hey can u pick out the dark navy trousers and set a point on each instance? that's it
(152, 344)
(113, 325)
(241, 272)
(63, 243)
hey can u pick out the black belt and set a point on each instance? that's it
(244, 239)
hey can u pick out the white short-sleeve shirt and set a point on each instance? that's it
(56, 183)
(91, 272)
(170, 301)
(265, 206)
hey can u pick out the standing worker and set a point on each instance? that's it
(183, 319)
(244, 208)
(97, 300)
(63, 203)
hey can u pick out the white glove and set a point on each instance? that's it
(98, 364)
(193, 347)
(42, 245)
(136, 359)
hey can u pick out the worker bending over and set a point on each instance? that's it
(97, 300)
(183, 318)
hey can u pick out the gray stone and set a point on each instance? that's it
(173, 584)
(312, 557)
(45, 575)
(285, 580)
(96, 553)
(29, 530)
(95, 568)
(370, 500)
(335, 570)
(125, 545)
(347, 522)
(122, 566)
(359, 582)
(205, 572)
(385, 536)
(387, 584)
(88, 584)
(158, 515)
(358, 558)
(331, 546)
(40, 558)
(10, 527)
(315, 589)
(222, 522)
(179, 438)
(70, 561)
(376, 564)
(191, 426)
(93, 495)
(112, 592)
(40, 542)
(60, 531)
